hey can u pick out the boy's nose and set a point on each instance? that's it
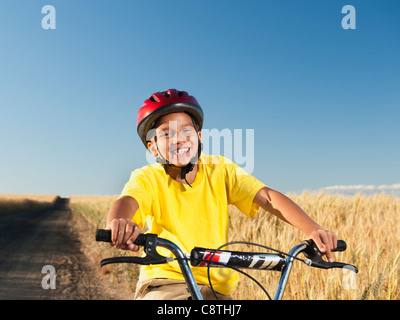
(180, 137)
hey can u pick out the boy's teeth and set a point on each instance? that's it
(182, 150)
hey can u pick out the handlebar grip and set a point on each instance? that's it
(105, 236)
(341, 246)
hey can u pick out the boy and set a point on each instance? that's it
(184, 198)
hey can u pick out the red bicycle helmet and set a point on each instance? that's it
(163, 103)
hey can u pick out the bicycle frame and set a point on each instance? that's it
(183, 264)
(286, 271)
(245, 259)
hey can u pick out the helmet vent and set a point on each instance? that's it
(154, 99)
(167, 94)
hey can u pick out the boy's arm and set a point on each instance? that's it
(119, 221)
(285, 209)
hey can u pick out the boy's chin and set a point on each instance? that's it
(181, 162)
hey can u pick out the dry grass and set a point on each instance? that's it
(94, 210)
(10, 203)
(370, 226)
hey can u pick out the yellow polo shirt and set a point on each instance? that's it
(194, 216)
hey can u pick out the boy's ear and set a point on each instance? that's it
(151, 146)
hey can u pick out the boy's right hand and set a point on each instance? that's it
(123, 233)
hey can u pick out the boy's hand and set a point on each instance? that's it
(123, 233)
(325, 240)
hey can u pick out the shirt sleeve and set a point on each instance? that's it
(242, 187)
(139, 188)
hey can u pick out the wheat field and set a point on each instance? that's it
(369, 224)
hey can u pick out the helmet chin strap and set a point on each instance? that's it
(186, 169)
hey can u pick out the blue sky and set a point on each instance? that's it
(324, 102)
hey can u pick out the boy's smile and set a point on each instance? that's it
(181, 152)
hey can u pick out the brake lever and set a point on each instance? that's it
(315, 256)
(152, 256)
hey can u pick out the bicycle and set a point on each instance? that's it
(202, 257)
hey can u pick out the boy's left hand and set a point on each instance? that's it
(325, 240)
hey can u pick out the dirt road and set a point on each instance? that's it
(34, 239)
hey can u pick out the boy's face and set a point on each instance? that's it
(177, 139)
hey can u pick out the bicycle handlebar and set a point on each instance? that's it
(105, 236)
(201, 257)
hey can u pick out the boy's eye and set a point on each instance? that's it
(163, 134)
(168, 134)
(188, 131)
